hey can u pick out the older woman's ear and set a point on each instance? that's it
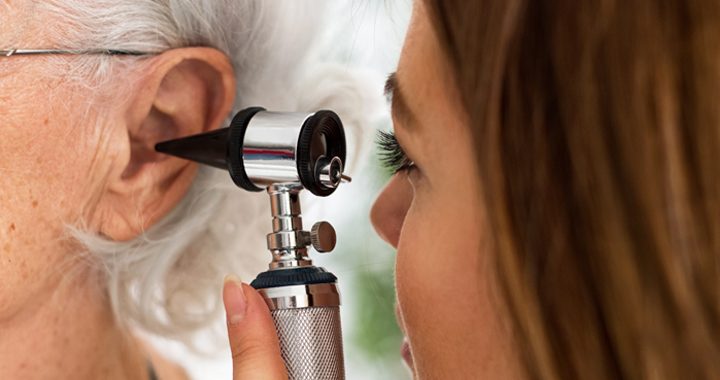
(181, 92)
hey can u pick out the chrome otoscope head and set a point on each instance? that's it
(262, 148)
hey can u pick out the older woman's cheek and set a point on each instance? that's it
(46, 165)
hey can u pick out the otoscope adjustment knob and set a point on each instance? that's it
(322, 237)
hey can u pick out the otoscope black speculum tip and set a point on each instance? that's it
(261, 148)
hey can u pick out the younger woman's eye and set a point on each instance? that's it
(392, 155)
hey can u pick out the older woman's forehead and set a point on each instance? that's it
(22, 26)
(10, 27)
(5, 19)
(21, 23)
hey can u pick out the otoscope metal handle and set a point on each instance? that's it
(303, 299)
(307, 320)
(311, 342)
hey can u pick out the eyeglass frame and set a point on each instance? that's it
(18, 52)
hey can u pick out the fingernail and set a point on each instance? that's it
(234, 298)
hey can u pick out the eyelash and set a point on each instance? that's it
(392, 155)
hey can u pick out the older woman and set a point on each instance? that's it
(97, 232)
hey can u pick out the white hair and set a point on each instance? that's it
(168, 280)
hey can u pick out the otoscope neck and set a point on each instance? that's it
(288, 242)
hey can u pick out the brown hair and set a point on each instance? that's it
(597, 127)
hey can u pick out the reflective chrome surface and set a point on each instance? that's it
(270, 147)
(288, 242)
(331, 173)
(298, 296)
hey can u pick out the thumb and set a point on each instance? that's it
(253, 340)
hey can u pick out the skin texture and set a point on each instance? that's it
(61, 165)
(433, 214)
(447, 295)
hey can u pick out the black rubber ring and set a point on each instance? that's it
(312, 126)
(236, 137)
(290, 277)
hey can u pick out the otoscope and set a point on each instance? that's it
(286, 153)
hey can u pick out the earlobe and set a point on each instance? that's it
(181, 92)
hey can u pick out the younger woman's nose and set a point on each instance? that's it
(388, 212)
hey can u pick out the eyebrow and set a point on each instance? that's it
(398, 102)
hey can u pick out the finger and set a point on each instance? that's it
(253, 340)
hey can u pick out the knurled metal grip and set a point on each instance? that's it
(307, 320)
(311, 342)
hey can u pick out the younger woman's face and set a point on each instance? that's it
(431, 212)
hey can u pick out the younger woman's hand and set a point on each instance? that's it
(253, 340)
